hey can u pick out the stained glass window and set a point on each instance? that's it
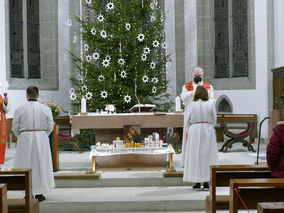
(240, 38)
(16, 39)
(33, 38)
(231, 38)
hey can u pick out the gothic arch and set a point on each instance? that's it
(224, 105)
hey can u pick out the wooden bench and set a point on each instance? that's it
(253, 191)
(3, 199)
(220, 177)
(20, 179)
(271, 207)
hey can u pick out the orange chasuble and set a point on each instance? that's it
(3, 131)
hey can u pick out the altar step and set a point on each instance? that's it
(117, 179)
(124, 199)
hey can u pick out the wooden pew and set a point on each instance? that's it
(3, 199)
(20, 179)
(220, 177)
(253, 191)
(271, 207)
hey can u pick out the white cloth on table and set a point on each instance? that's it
(187, 97)
(33, 149)
(201, 146)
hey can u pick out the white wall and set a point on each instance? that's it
(255, 101)
(279, 32)
(2, 43)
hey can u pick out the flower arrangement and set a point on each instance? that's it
(55, 108)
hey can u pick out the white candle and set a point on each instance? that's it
(83, 105)
(178, 104)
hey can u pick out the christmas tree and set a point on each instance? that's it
(123, 58)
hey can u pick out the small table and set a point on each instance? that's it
(132, 151)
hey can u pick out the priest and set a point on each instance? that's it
(32, 123)
(3, 127)
(187, 95)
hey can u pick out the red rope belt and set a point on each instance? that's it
(33, 130)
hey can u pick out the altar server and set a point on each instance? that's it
(3, 127)
(201, 146)
(187, 95)
(32, 123)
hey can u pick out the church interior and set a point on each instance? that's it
(118, 77)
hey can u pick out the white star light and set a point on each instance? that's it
(145, 79)
(140, 37)
(152, 65)
(155, 2)
(101, 18)
(154, 90)
(155, 80)
(89, 95)
(153, 18)
(86, 47)
(69, 22)
(103, 34)
(121, 61)
(110, 6)
(108, 58)
(155, 43)
(88, 58)
(152, 6)
(84, 87)
(164, 45)
(96, 56)
(101, 78)
(74, 39)
(73, 96)
(93, 31)
(105, 63)
(80, 77)
(127, 26)
(123, 74)
(104, 94)
(146, 50)
(143, 57)
(127, 99)
(71, 90)
(88, 1)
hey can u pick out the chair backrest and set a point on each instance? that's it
(19, 179)
(3, 199)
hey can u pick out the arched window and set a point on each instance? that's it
(224, 105)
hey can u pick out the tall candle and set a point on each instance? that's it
(178, 108)
(83, 105)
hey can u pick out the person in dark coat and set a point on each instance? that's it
(275, 151)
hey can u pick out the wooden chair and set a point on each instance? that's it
(271, 207)
(3, 199)
(20, 179)
(220, 177)
(252, 191)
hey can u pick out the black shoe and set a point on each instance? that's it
(197, 186)
(40, 198)
(206, 186)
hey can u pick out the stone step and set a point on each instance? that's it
(123, 199)
(116, 179)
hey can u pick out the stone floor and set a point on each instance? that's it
(124, 190)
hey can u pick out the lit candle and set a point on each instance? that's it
(83, 105)
(178, 108)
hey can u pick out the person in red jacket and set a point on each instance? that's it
(275, 151)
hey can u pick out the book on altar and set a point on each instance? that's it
(143, 108)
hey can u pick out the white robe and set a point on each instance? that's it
(33, 149)
(201, 146)
(187, 97)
